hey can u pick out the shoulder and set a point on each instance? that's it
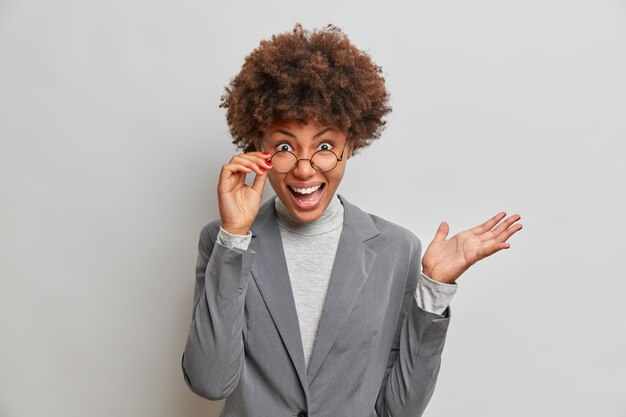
(378, 230)
(397, 247)
(395, 234)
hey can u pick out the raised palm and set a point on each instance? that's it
(446, 259)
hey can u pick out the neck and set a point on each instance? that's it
(331, 218)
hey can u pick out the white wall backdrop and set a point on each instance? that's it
(112, 140)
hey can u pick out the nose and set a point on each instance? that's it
(304, 169)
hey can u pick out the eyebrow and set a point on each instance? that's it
(288, 133)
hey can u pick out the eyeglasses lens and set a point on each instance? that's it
(322, 161)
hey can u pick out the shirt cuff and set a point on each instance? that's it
(234, 241)
(434, 296)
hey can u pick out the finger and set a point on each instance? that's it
(232, 173)
(501, 227)
(442, 232)
(235, 168)
(482, 228)
(506, 234)
(493, 248)
(257, 157)
(253, 159)
(506, 223)
(259, 183)
(263, 155)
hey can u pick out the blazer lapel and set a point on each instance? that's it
(353, 263)
(270, 273)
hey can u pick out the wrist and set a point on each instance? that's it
(235, 230)
(428, 274)
(439, 281)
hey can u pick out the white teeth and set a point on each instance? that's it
(305, 190)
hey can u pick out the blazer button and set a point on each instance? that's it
(302, 413)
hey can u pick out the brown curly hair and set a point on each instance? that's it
(307, 75)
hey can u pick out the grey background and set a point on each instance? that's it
(112, 140)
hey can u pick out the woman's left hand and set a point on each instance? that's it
(445, 260)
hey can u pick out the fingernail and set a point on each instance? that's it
(269, 164)
(266, 153)
(262, 169)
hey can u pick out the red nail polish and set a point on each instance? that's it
(262, 169)
(269, 164)
(266, 153)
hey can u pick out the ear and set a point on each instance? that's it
(349, 148)
(258, 142)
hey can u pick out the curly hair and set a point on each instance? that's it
(307, 75)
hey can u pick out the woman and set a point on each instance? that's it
(306, 304)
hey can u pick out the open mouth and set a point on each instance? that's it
(307, 196)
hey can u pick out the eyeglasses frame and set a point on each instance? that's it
(295, 165)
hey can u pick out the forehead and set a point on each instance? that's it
(300, 130)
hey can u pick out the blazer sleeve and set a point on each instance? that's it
(214, 352)
(415, 356)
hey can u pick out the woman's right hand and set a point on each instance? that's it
(239, 202)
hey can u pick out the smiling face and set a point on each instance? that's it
(304, 191)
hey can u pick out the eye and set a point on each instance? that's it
(283, 147)
(325, 146)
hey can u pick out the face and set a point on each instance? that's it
(303, 140)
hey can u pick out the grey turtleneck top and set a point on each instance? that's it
(310, 249)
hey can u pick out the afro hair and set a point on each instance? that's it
(307, 75)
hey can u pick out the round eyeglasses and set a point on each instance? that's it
(323, 160)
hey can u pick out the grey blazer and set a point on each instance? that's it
(376, 353)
